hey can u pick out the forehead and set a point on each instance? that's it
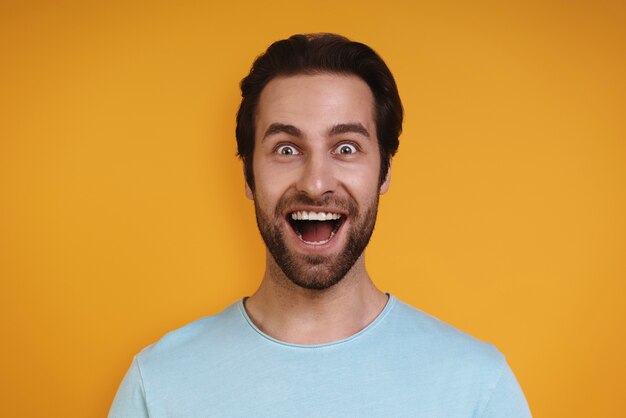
(315, 102)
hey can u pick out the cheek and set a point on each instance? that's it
(270, 183)
(362, 177)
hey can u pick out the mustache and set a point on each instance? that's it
(344, 204)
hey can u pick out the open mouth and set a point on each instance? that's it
(315, 228)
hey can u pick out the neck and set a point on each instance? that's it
(296, 315)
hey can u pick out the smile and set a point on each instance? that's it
(315, 228)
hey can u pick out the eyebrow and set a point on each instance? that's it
(339, 129)
(344, 128)
(276, 128)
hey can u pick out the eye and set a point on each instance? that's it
(346, 149)
(287, 150)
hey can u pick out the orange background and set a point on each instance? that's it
(122, 213)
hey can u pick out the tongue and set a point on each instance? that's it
(316, 231)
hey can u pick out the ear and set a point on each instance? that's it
(249, 192)
(385, 186)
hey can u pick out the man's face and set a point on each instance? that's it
(316, 169)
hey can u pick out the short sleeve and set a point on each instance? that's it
(507, 398)
(130, 400)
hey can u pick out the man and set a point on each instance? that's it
(317, 128)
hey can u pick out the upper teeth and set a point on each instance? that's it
(314, 216)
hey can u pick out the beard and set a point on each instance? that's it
(317, 272)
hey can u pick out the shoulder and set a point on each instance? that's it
(429, 329)
(184, 344)
(425, 336)
(475, 372)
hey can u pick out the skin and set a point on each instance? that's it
(323, 166)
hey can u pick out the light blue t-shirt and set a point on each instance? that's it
(404, 364)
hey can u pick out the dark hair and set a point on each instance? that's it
(321, 53)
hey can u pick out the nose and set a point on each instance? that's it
(318, 176)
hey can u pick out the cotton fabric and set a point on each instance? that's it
(404, 364)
